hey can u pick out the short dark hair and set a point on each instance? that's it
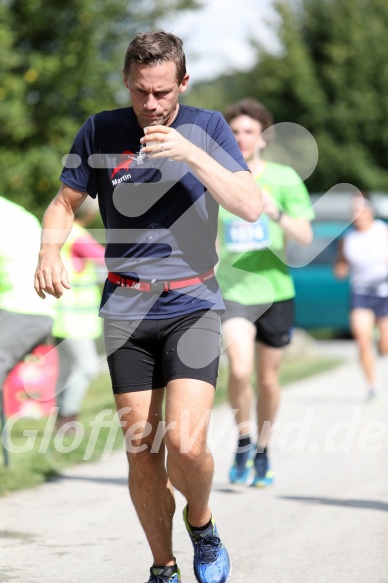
(154, 47)
(252, 108)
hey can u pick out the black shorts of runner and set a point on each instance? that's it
(273, 322)
(147, 354)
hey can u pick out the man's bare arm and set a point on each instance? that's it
(341, 267)
(50, 275)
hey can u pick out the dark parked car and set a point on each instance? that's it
(322, 300)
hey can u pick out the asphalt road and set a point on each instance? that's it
(324, 520)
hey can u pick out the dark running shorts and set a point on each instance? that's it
(147, 354)
(273, 322)
(378, 305)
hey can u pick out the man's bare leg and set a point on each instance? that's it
(268, 387)
(239, 339)
(362, 324)
(149, 486)
(190, 465)
(382, 324)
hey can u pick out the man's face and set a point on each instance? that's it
(247, 132)
(154, 92)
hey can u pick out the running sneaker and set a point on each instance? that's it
(169, 574)
(372, 393)
(242, 466)
(263, 476)
(211, 559)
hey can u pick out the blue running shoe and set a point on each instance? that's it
(242, 466)
(211, 559)
(164, 575)
(264, 476)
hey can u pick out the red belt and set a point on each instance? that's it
(153, 285)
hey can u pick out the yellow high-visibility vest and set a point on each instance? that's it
(77, 310)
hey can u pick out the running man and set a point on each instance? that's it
(258, 290)
(161, 170)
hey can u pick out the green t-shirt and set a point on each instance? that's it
(19, 248)
(252, 267)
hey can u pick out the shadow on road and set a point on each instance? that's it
(219, 487)
(97, 480)
(364, 504)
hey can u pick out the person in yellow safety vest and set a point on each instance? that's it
(24, 322)
(76, 324)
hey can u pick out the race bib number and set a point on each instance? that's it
(241, 236)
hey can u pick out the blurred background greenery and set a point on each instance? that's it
(61, 62)
(330, 76)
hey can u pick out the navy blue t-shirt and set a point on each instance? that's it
(161, 223)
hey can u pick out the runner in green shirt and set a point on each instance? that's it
(258, 290)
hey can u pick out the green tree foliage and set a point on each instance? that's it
(59, 63)
(332, 78)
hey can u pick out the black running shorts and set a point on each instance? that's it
(273, 322)
(147, 354)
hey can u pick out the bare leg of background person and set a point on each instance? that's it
(78, 365)
(3, 434)
(149, 486)
(268, 398)
(190, 465)
(382, 324)
(239, 339)
(362, 324)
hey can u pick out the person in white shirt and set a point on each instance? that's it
(363, 254)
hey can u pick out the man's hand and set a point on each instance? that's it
(50, 275)
(165, 142)
(235, 191)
